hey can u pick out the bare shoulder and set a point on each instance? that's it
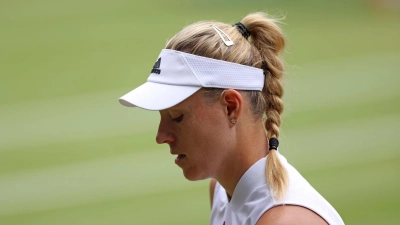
(212, 188)
(290, 214)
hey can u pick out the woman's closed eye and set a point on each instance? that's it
(178, 119)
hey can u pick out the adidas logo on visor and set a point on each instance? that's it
(156, 67)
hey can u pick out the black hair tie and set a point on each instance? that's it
(242, 29)
(273, 144)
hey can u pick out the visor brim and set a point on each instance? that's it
(156, 96)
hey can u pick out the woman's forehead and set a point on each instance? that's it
(193, 101)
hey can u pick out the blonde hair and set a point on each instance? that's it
(262, 50)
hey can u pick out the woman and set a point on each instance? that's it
(212, 85)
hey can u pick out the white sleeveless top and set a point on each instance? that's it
(252, 198)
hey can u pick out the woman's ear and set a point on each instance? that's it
(233, 103)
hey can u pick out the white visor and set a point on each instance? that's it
(177, 75)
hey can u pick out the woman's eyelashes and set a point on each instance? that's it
(178, 119)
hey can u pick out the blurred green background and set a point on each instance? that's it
(70, 154)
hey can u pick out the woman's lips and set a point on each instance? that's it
(180, 158)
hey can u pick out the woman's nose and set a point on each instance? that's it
(164, 134)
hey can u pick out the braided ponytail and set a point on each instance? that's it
(268, 38)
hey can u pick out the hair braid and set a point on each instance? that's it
(268, 38)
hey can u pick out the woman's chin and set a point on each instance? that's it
(193, 176)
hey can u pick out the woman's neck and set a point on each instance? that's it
(251, 147)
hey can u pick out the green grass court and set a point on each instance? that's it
(70, 154)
